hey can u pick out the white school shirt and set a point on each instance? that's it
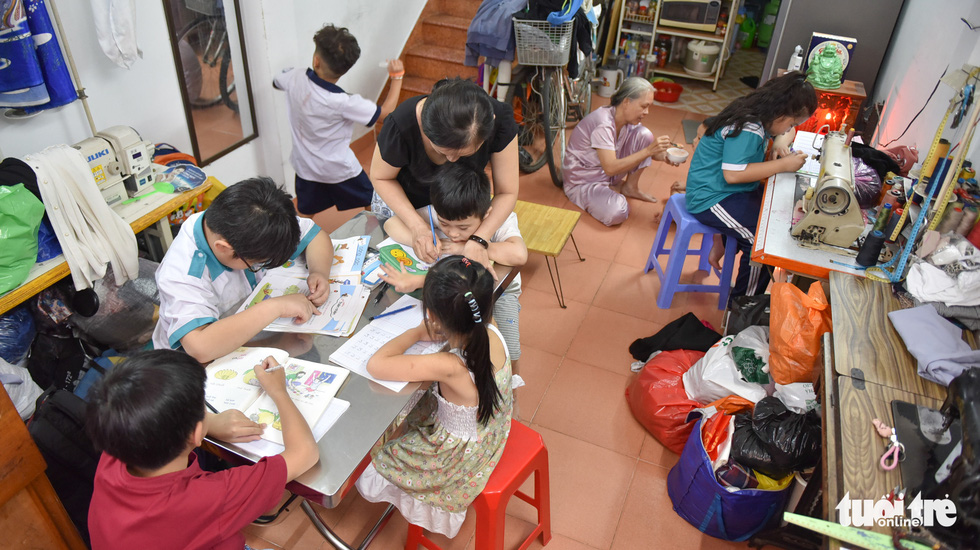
(321, 119)
(196, 289)
(507, 230)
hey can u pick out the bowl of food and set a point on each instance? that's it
(677, 155)
(667, 92)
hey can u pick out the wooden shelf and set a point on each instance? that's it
(140, 215)
(634, 31)
(677, 69)
(688, 33)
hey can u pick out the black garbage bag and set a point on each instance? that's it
(775, 440)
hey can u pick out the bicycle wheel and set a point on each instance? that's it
(580, 89)
(554, 112)
(228, 95)
(202, 44)
(526, 103)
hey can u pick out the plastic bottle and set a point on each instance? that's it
(769, 13)
(651, 65)
(631, 53)
(796, 60)
(746, 33)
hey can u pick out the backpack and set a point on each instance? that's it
(58, 429)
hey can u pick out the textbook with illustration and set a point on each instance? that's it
(338, 315)
(348, 258)
(231, 384)
(354, 354)
(401, 255)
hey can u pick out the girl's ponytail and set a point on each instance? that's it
(460, 293)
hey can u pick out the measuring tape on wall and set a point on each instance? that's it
(882, 273)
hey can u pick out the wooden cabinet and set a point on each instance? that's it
(646, 29)
(31, 516)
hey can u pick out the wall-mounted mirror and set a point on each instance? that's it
(209, 53)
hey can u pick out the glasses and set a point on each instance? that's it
(249, 266)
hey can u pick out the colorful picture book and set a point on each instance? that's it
(354, 354)
(338, 315)
(401, 255)
(231, 384)
(843, 45)
(348, 258)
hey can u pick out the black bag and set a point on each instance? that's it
(747, 311)
(56, 360)
(58, 429)
(775, 440)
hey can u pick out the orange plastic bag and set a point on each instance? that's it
(733, 405)
(796, 323)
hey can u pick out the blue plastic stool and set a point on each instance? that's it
(687, 226)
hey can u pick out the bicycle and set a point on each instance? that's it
(541, 92)
(206, 57)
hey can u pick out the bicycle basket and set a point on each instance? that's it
(206, 7)
(541, 43)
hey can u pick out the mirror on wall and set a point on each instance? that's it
(209, 54)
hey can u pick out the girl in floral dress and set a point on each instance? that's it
(456, 434)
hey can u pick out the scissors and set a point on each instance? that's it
(895, 451)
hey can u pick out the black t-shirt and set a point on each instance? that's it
(400, 143)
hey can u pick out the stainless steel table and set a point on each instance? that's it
(344, 450)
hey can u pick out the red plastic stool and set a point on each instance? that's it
(524, 454)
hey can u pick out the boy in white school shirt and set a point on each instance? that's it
(322, 118)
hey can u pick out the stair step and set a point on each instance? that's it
(461, 8)
(445, 30)
(417, 85)
(435, 62)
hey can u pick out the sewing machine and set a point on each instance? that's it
(831, 212)
(962, 486)
(121, 162)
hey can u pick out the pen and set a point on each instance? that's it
(387, 313)
(211, 407)
(275, 368)
(432, 226)
(381, 293)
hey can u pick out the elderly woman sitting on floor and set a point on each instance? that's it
(608, 152)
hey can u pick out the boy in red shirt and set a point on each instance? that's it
(147, 415)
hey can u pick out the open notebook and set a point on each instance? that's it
(354, 354)
(231, 384)
(338, 315)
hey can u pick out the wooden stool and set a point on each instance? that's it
(545, 230)
(524, 454)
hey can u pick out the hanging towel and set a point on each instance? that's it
(90, 233)
(115, 25)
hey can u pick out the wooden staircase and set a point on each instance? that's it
(437, 46)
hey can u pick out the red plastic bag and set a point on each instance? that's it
(796, 323)
(658, 401)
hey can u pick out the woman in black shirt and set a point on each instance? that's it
(457, 122)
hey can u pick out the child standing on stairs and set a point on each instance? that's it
(322, 118)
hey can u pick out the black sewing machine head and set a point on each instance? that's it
(963, 484)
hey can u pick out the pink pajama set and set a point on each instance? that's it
(586, 183)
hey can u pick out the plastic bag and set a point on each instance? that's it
(750, 352)
(797, 322)
(23, 391)
(20, 218)
(747, 311)
(16, 334)
(799, 397)
(125, 319)
(657, 399)
(715, 376)
(775, 440)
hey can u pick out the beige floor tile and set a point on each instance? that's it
(538, 369)
(604, 338)
(551, 328)
(589, 404)
(579, 280)
(588, 488)
(629, 291)
(517, 530)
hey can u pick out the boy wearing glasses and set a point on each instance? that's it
(219, 257)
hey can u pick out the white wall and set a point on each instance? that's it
(929, 36)
(278, 34)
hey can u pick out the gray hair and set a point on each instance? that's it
(632, 88)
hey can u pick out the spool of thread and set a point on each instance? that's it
(951, 219)
(871, 249)
(942, 149)
(891, 197)
(893, 229)
(884, 214)
(942, 168)
(968, 221)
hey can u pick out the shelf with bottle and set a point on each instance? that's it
(688, 33)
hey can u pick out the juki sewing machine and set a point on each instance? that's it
(121, 162)
(831, 212)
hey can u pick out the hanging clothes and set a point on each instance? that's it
(491, 32)
(90, 233)
(115, 26)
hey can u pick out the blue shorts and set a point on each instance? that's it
(313, 196)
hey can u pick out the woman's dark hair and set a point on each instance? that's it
(457, 114)
(458, 191)
(788, 95)
(338, 48)
(459, 293)
(258, 220)
(146, 408)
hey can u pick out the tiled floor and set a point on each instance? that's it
(698, 96)
(608, 475)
